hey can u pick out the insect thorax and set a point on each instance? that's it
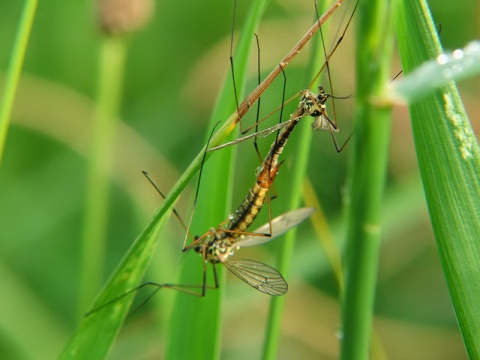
(311, 104)
(217, 247)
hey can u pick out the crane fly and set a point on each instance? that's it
(218, 245)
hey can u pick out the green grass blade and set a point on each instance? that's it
(448, 156)
(203, 314)
(14, 69)
(111, 70)
(368, 172)
(97, 332)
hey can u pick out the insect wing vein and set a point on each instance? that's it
(259, 276)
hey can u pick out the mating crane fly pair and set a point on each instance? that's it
(218, 245)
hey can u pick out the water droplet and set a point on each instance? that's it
(442, 59)
(458, 54)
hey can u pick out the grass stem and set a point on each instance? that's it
(15, 68)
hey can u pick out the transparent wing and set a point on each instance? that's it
(260, 276)
(280, 225)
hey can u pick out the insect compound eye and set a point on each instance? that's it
(322, 98)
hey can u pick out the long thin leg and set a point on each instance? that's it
(185, 288)
(198, 188)
(255, 144)
(175, 212)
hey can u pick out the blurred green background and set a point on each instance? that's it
(174, 69)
